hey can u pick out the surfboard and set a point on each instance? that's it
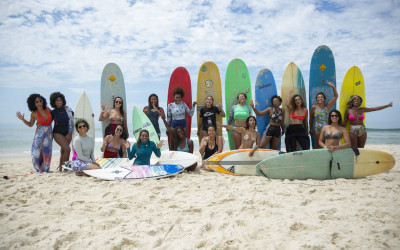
(140, 121)
(180, 78)
(135, 172)
(84, 110)
(353, 84)
(237, 80)
(265, 89)
(238, 162)
(112, 162)
(112, 86)
(292, 79)
(316, 164)
(208, 84)
(175, 158)
(322, 69)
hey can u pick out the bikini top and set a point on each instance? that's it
(276, 116)
(41, 119)
(185, 149)
(352, 118)
(246, 137)
(336, 135)
(121, 119)
(298, 117)
(110, 146)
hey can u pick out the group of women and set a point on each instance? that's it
(328, 130)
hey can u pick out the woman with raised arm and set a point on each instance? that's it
(113, 143)
(208, 116)
(239, 113)
(42, 144)
(116, 116)
(333, 132)
(63, 117)
(250, 136)
(355, 115)
(276, 127)
(143, 149)
(320, 111)
(297, 131)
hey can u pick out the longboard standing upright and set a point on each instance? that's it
(237, 80)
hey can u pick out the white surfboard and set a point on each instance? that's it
(112, 86)
(140, 121)
(175, 157)
(84, 110)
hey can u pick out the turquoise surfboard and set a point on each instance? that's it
(322, 69)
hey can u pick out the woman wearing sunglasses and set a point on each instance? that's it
(116, 116)
(113, 143)
(84, 148)
(332, 133)
(42, 144)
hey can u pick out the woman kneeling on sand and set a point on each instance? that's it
(333, 132)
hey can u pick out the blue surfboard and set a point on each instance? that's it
(322, 69)
(264, 90)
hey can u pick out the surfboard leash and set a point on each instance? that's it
(330, 165)
(6, 177)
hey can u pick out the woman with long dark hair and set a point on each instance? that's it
(42, 144)
(113, 143)
(153, 112)
(332, 133)
(116, 116)
(143, 149)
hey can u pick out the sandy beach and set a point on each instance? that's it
(197, 210)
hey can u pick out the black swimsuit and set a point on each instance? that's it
(209, 152)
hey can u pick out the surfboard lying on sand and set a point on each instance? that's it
(320, 164)
(135, 172)
(112, 162)
(238, 162)
(175, 158)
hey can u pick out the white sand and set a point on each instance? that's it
(197, 210)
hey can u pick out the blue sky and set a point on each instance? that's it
(49, 46)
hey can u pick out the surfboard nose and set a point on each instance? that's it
(372, 162)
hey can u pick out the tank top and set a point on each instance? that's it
(209, 152)
(276, 116)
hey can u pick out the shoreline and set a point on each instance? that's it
(198, 210)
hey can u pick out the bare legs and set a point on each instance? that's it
(65, 151)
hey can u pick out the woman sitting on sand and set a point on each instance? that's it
(143, 149)
(249, 134)
(113, 143)
(276, 126)
(297, 130)
(84, 148)
(43, 139)
(355, 115)
(210, 145)
(333, 132)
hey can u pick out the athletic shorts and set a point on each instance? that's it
(274, 131)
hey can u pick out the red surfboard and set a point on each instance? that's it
(180, 78)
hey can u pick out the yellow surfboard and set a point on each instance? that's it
(353, 84)
(209, 84)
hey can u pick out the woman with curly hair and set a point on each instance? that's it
(355, 115)
(63, 117)
(43, 139)
(297, 131)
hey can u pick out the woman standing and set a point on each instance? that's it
(239, 113)
(355, 115)
(63, 117)
(43, 139)
(276, 126)
(177, 110)
(153, 112)
(116, 116)
(333, 132)
(297, 130)
(113, 143)
(210, 145)
(208, 116)
(320, 112)
(143, 149)
(84, 148)
(249, 135)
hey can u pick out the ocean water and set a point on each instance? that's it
(16, 139)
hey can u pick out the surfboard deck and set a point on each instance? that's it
(112, 86)
(265, 89)
(353, 84)
(237, 80)
(208, 84)
(135, 172)
(238, 162)
(292, 79)
(322, 69)
(315, 164)
(140, 121)
(180, 78)
(175, 158)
